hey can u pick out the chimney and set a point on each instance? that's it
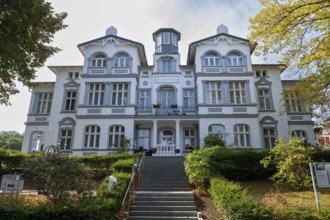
(222, 29)
(111, 31)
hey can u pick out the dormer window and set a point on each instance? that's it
(99, 60)
(166, 41)
(234, 59)
(211, 59)
(122, 60)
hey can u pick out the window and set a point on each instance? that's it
(167, 65)
(73, 75)
(66, 139)
(166, 38)
(122, 60)
(44, 102)
(261, 73)
(269, 137)
(213, 92)
(234, 59)
(92, 136)
(300, 134)
(116, 133)
(242, 135)
(96, 94)
(143, 138)
(37, 139)
(189, 138)
(99, 60)
(166, 97)
(119, 93)
(218, 129)
(292, 104)
(264, 99)
(211, 59)
(145, 100)
(188, 99)
(174, 39)
(237, 92)
(70, 101)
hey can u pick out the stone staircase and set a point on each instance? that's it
(164, 192)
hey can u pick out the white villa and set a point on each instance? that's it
(168, 106)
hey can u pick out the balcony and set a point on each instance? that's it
(167, 111)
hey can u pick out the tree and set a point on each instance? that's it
(56, 176)
(11, 140)
(291, 160)
(27, 27)
(300, 31)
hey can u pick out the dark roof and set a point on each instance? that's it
(192, 46)
(140, 46)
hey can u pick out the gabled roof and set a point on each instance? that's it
(192, 46)
(142, 54)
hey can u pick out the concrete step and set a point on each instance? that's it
(163, 203)
(163, 208)
(162, 199)
(160, 217)
(164, 213)
(164, 194)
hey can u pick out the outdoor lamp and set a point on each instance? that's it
(112, 180)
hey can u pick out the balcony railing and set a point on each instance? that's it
(165, 150)
(169, 111)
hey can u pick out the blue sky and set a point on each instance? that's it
(135, 20)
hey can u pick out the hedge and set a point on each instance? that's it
(235, 202)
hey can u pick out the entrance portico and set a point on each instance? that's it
(169, 137)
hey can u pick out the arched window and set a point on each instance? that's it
(99, 60)
(268, 125)
(122, 60)
(92, 136)
(218, 129)
(300, 134)
(242, 135)
(211, 59)
(234, 59)
(116, 134)
(66, 133)
(37, 140)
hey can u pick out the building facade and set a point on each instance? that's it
(165, 106)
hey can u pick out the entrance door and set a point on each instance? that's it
(167, 137)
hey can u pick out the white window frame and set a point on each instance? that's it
(116, 133)
(211, 59)
(99, 61)
(143, 135)
(96, 94)
(120, 94)
(167, 65)
(188, 98)
(269, 135)
(292, 103)
(234, 59)
(144, 99)
(122, 60)
(213, 92)
(265, 102)
(70, 100)
(218, 129)
(92, 136)
(300, 134)
(43, 102)
(237, 92)
(189, 138)
(242, 136)
(66, 139)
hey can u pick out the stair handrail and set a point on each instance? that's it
(141, 167)
(130, 187)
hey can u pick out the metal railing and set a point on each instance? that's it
(137, 171)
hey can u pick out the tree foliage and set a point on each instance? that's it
(11, 140)
(56, 176)
(213, 139)
(300, 31)
(291, 160)
(27, 28)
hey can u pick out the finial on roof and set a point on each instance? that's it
(222, 29)
(111, 31)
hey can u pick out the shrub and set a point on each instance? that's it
(119, 188)
(235, 202)
(123, 165)
(56, 175)
(213, 139)
(292, 160)
(321, 155)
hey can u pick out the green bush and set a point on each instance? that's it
(321, 155)
(123, 165)
(119, 188)
(213, 139)
(203, 164)
(301, 215)
(291, 159)
(235, 202)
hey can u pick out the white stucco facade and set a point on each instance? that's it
(168, 106)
